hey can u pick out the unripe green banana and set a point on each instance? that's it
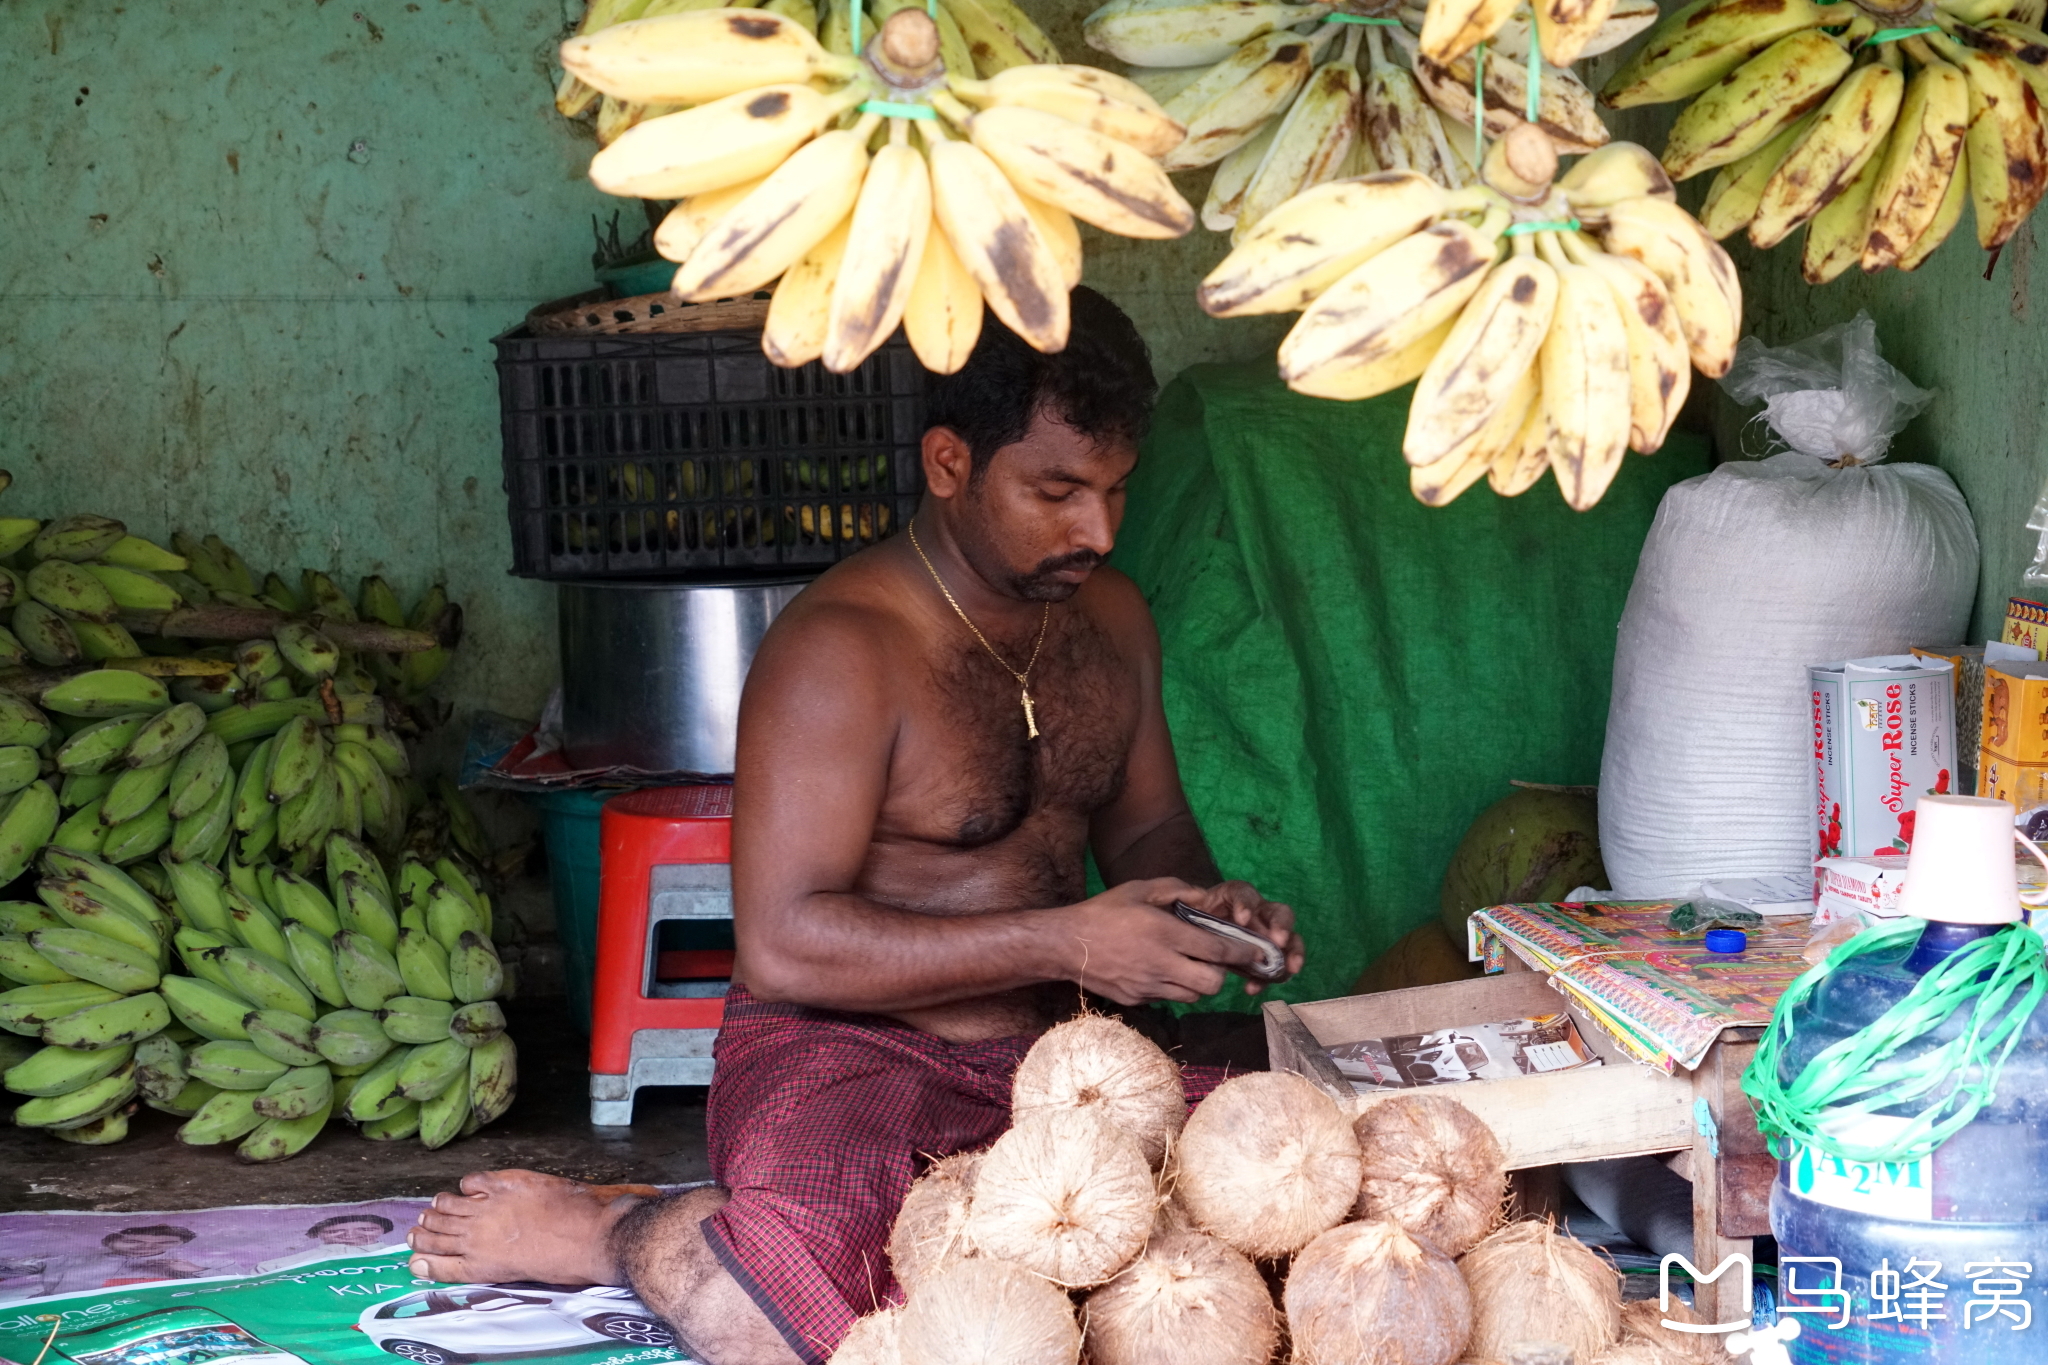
(312, 957)
(240, 723)
(61, 1070)
(19, 961)
(238, 577)
(283, 1036)
(207, 1008)
(160, 1068)
(16, 534)
(277, 1139)
(82, 536)
(432, 1069)
(296, 898)
(281, 595)
(389, 751)
(141, 836)
(204, 833)
(403, 1122)
(464, 828)
(94, 957)
(450, 915)
(100, 641)
(28, 821)
(22, 723)
(277, 689)
(106, 692)
(252, 787)
(304, 822)
(376, 795)
(83, 905)
(19, 766)
(213, 695)
(297, 1093)
(474, 969)
(442, 1117)
(82, 832)
(348, 818)
(228, 1115)
(416, 1020)
(133, 552)
(46, 636)
(188, 1101)
(166, 735)
(478, 1023)
(135, 589)
(366, 911)
(81, 789)
(201, 773)
(346, 855)
(96, 748)
(308, 651)
(13, 654)
(109, 883)
(25, 1009)
(254, 925)
(251, 846)
(296, 758)
(376, 602)
(104, 1131)
(80, 1107)
(493, 1078)
(127, 1020)
(258, 661)
(375, 1092)
(265, 982)
(134, 792)
(22, 918)
(233, 1066)
(324, 597)
(71, 592)
(369, 975)
(423, 964)
(350, 1037)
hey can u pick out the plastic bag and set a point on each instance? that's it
(1831, 396)
(2037, 520)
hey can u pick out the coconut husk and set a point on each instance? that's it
(1530, 1284)
(929, 1225)
(1107, 1068)
(1433, 1167)
(871, 1341)
(1369, 1294)
(1065, 1196)
(1266, 1162)
(1189, 1300)
(1640, 1351)
(987, 1312)
(1643, 1321)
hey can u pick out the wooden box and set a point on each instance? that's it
(1620, 1109)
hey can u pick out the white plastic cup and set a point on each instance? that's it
(1960, 868)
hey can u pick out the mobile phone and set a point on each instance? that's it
(1272, 963)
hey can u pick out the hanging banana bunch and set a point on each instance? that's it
(1548, 324)
(1262, 87)
(878, 189)
(1870, 127)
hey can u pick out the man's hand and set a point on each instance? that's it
(1240, 903)
(1125, 944)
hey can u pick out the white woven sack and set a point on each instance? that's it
(1750, 574)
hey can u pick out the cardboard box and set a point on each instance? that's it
(2026, 623)
(2016, 711)
(2025, 785)
(1868, 887)
(1883, 733)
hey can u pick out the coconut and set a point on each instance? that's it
(984, 1312)
(871, 1341)
(1189, 1300)
(1109, 1069)
(1369, 1294)
(1642, 1351)
(928, 1227)
(1266, 1162)
(1065, 1196)
(1433, 1167)
(1642, 1323)
(1530, 1284)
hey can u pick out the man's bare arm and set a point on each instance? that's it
(817, 731)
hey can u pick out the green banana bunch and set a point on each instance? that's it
(416, 1020)
(369, 975)
(78, 1108)
(22, 918)
(134, 792)
(365, 911)
(139, 836)
(160, 1069)
(83, 832)
(432, 1068)
(207, 1008)
(196, 888)
(46, 636)
(164, 736)
(283, 1036)
(95, 957)
(308, 651)
(71, 592)
(204, 835)
(133, 552)
(77, 538)
(312, 957)
(295, 898)
(350, 1037)
(281, 595)
(474, 969)
(201, 773)
(230, 1114)
(105, 692)
(26, 1009)
(233, 1065)
(101, 1132)
(296, 758)
(442, 1118)
(299, 1092)
(188, 1101)
(127, 1020)
(278, 1138)
(423, 964)
(401, 1123)
(60, 1070)
(27, 821)
(135, 589)
(374, 1095)
(22, 723)
(19, 961)
(493, 1078)
(265, 982)
(477, 1023)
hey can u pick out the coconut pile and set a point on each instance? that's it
(1272, 1223)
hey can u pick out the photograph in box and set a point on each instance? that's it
(2025, 785)
(2016, 711)
(1883, 733)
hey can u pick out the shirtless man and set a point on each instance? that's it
(933, 737)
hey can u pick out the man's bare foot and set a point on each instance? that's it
(521, 1225)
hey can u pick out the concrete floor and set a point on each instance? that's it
(547, 1129)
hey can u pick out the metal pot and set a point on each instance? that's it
(651, 672)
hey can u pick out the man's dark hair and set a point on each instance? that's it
(153, 1230)
(1101, 385)
(340, 1218)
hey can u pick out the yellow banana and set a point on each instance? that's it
(1745, 108)
(1181, 33)
(1585, 378)
(885, 242)
(1521, 462)
(788, 214)
(740, 137)
(799, 314)
(1852, 126)
(1096, 178)
(1375, 377)
(1314, 138)
(1620, 170)
(1691, 265)
(1225, 108)
(1925, 154)
(943, 317)
(999, 35)
(1659, 365)
(1399, 122)
(1489, 350)
(1698, 44)
(1738, 187)
(987, 225)
(1062, 234)
(1233, 177)
(1946, 216)
(572, 97)
(1096, 100)
(1565, 108)
(1317, 237)
(1452, 28)
(1564, 28)
(2008, 151)
(1436, 485)
(1839, 233)
(699, 57)
(685, 225)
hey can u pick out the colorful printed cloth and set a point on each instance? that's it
(817, 1121)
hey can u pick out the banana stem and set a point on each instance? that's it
(953, 109)
(865, 128)
(214, 621)
(899, 132)
(1547, 246)
(1496, 221)
(1375, 46)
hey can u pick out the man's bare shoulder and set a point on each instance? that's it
(850, 618)
(1116, 605)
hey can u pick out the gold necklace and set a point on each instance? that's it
(1024, 678)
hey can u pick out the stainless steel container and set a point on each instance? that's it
(651, 672)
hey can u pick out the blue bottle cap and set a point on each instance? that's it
(1726, 940)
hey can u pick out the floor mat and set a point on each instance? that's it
(278, 1284)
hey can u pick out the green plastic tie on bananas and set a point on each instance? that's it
(1893, 35)
(891, 109)
(1517, 229)
(1479, 101)
(1360, 19)
(1532, 106)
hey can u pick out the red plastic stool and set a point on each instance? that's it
(665, 855)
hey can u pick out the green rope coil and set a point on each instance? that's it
(1998, 979)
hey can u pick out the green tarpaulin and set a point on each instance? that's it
(1352, 676)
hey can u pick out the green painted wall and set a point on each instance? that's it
(255, 256)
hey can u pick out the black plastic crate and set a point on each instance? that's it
(688, 454)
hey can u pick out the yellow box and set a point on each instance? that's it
(2026, 623)
(2016, 711)
(2023, 784)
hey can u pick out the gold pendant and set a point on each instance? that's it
(1030, 718)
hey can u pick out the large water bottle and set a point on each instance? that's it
(1906, 1086)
